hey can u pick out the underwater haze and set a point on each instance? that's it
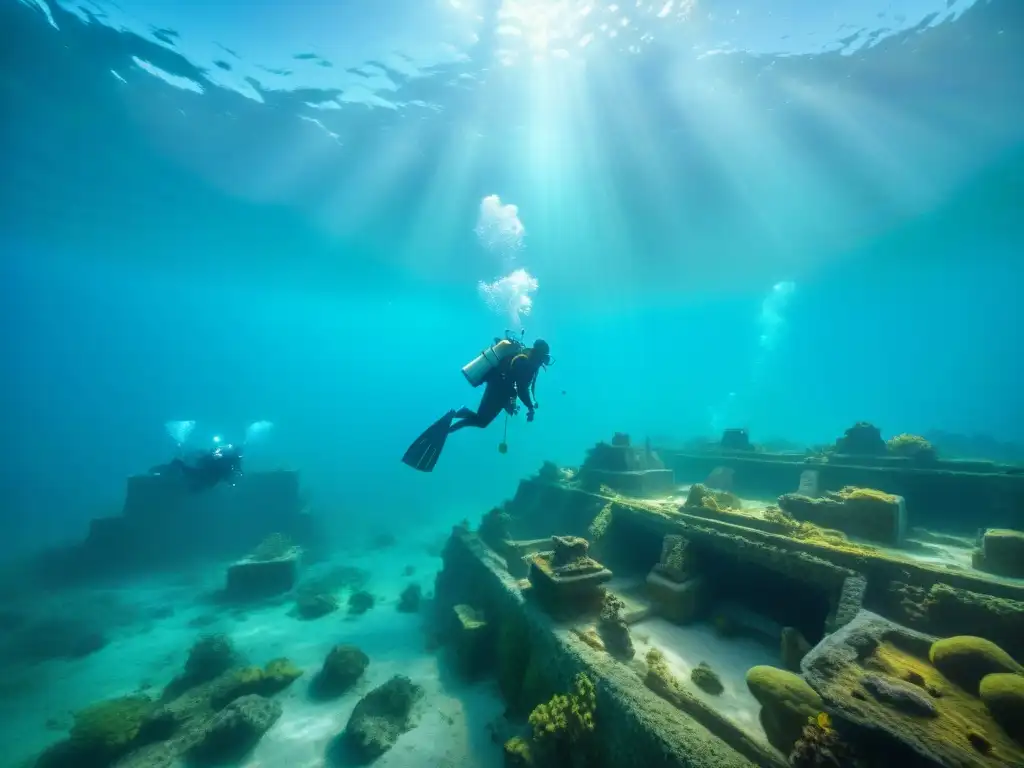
(784, 217)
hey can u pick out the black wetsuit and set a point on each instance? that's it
(208, 469)
(510, 379)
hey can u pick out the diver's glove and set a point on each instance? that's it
(529, 415)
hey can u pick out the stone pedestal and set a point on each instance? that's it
(251, 579)
(569, 590)
(679, 602)
(1001, 553)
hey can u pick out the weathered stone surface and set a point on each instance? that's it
(256, 579)
(876, 681)
(1001, 553)
(859, 512)
(233, 731)
(675, 601)
(341, 670)
(380, 718)
(638, 728)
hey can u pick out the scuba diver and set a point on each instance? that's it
(206, 468)
(509, 370)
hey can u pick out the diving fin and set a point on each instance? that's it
(426, 449)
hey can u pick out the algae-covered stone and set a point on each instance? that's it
(102, 733)
(966, 660)
(786, 700)
(905, 697)
(279, 674)
(381, 717)
(1003, 694)
(342, 668)
(1002, 553)
(705, 678)
(310, 606)
(233, 731)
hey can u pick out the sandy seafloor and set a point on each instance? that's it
(452, 718)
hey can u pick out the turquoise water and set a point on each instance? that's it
(228, 215)
(779, 216)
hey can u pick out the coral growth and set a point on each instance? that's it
(562, 727)
(273, 547)
(862, 439)
(675, 562)
(613, 629)
(911, 446)
(599, 525)
(708, 498)
(821, 746)
(518, 753)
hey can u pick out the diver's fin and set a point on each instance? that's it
(426, 449)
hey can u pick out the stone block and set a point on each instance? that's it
(251, 579)
(679, 602)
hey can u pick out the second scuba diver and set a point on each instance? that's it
(509, 372)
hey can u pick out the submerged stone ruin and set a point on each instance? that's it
(819, 621)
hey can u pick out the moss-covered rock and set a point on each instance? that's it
(380, 718)
(233, 731)
(965, 660)
(1001, 553)
(277, 675)
(310, 606)
(912, 447)
(1003, 694)
(360, 602)
(700, 495)
(342, 668)
(786, 700)
(705, 678)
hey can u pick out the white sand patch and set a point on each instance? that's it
(684, 647)
(452, 717)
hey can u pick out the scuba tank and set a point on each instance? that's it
(476, 370)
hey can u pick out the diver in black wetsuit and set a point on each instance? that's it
(512, 375)
(515, 377)
(208, 468)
